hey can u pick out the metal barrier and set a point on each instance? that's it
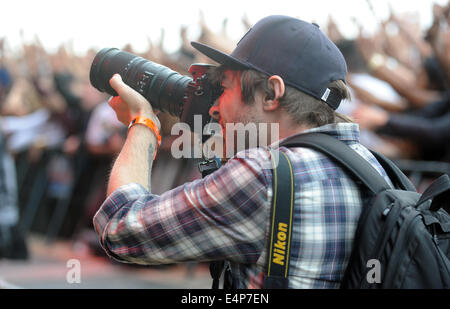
(421, 173)
(34, 186)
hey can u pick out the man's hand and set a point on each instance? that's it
(129, 103)
(370, 118)
(134, 163)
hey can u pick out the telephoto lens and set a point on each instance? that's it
(164, 88)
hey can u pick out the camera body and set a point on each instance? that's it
(167, 90)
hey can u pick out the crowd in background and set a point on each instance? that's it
(58, 136)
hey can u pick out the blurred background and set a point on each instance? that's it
(58, 136)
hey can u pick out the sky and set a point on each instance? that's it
(113, 23)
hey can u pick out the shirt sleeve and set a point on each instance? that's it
(222, 216)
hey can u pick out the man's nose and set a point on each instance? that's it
(214, 111)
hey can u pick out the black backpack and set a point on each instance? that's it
(403, 238)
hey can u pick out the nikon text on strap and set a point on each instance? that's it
(281, 223)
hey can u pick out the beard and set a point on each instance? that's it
(242, 134)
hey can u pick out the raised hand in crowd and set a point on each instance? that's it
(370, 117)
(386, 68)
(333, 31)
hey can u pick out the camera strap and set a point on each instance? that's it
(216, 268)
(280, 228)
(280, 222)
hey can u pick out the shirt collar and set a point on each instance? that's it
(344, 131)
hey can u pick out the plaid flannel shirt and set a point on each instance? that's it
(226, 216)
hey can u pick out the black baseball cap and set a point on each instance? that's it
(295, 50)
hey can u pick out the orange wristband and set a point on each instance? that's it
(147, 122)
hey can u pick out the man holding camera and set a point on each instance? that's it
(283, 71)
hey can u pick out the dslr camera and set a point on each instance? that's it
(167, 90)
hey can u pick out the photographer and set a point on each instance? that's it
(281, 72)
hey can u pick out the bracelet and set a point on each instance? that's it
(147, 122)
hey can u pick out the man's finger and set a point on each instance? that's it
(127, 93)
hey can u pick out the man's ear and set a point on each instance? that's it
(276, 84)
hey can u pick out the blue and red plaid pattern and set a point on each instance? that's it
(226, 216)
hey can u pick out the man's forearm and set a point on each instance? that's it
(134, 163)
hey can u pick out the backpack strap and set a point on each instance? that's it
(343, 154)
(280, 223)
(397, 177)
(439, 191)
